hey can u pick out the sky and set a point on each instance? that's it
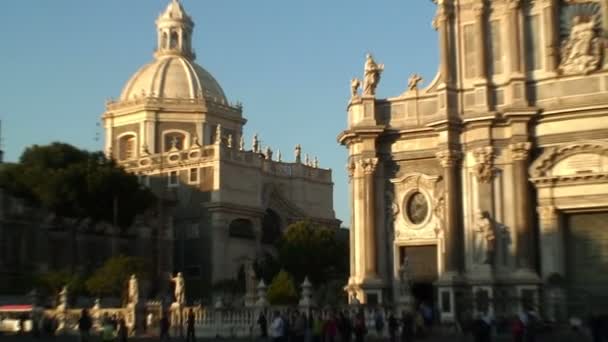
(289, 62)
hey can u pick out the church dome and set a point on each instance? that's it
(174, 77)
(173, 74)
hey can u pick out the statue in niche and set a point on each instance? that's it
(372, 75)
(354, 87)
(581, 51)
(298, 152)
(229, 141)
(133, 291)
(484, 239)
(242, 144)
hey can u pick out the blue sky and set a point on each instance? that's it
(289, 62)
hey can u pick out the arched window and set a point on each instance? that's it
(127, 147)
(174, 40)
(271, 227)
(174, 140)
(163, 40)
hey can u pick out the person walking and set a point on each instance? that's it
(164, 328)
(107, 331)
(407, 327)
(190, 326)
(277, 327)
(122, 333)
(84, 325)
(378, 323)
(360, 328)
(263, 324)
(393, 326)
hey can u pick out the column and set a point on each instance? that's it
(604, 4)
(551, 37)
(453, 230)
(523, 227)
(479, 11)
(552, 244)
(440, 23)
(351, 234)
(368, 166)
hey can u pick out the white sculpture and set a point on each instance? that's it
(279, 156)
(255, 145)
(404, 278)
(354, 87)
(484, 239)
(242, 144)
(133, 295)
(180, 288)
(581, 52)
(218, 134)
(63, 298)
(229, 141)
(268, 153)
(412, 83)
(372, 75)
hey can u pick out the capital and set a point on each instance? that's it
(484, 167)
(520, 151)
(448, 158)
(368, 165)
(350, 168)
(547, 214)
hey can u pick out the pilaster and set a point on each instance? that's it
(552, 242)
(481, 82)
(368, 167)
(515, 95)
(551, 33)
(441, 24)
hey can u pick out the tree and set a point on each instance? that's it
(51, 282)
(111, 278)
(282, 290)
(76, 183)
(309, 249)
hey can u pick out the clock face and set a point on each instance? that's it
(417, 208)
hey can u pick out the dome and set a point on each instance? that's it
(175, 77)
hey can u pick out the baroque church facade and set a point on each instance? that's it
(490, 182)
(174, 127)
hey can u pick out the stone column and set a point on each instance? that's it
(368, 166)
(480, 32)
(523, 225)
(551, 35)
(351, 234)
(604, 4)
(552, 242)
(453, 229)
(440, 23)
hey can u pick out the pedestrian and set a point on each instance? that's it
(407, 327)
(263, 324)
(331, 328)
(299, 327)
(107, 331)
(393, 326)
(190, 326)
(84, 325)
(317, 327)
(517, 329)
(378, 323)
(360, 328)
(277, 327)
(164, 328)
(345, 327)
(121, 331)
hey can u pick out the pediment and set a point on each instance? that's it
(586, 157)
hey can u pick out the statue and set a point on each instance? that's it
(404, 278)
(268, 153)
(354, 87)
(298, 152)
(315, 163)
(279, 156)
(250, 279)
(180, 288)
(63, 298)
(353, 299)
(218, 134)
(581, 52)
(307, 160)
(484, 239)
(372, 76)
(242, 144)
(174, 142)
(412, 83)
(229, 141)
(255, 145)
(133, 295)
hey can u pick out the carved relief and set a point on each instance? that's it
(368, 165)
(544, 165)
(581, 52)
(520, 151)
(350, 168)
(484, 239)
(484, 166)
(448, 158)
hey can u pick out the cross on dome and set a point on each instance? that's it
(174, 28)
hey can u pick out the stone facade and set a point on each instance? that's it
(174, 127)
(487, 163)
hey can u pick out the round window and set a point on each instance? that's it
(417, 208)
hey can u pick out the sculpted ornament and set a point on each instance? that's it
(412, 83)
(520, 151)
(372, 75)
(581, 52)
(133, 293)
(484, 239)
(448, 158)
(484, 168)
(354, 87)
(368, 165)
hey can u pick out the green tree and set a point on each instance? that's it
(309, 249)
(51, 282)
(282, 290)
(111, 278)
(76, 183)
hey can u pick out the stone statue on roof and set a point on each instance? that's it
(372, 74)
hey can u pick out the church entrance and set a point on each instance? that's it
(587, 261)
(422, 269)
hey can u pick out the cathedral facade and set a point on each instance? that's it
(174, 127)
(491, 182)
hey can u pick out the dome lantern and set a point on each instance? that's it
(174, 29)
